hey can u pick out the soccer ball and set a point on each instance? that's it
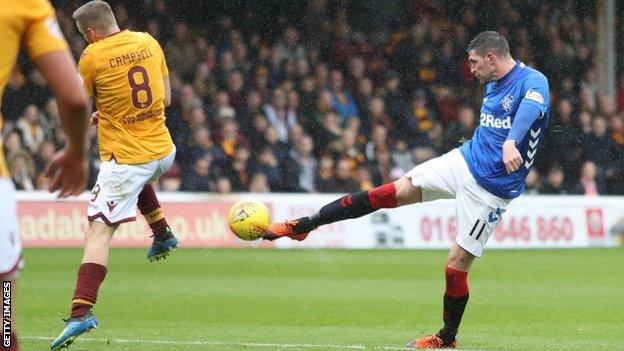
(248, 219)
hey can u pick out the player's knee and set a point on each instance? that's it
(99, 232)
(459, 258)
(406, 192)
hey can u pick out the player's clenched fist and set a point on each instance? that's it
(511, 156)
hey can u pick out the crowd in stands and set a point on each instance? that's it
(338, 96)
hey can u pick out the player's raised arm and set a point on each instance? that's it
(69, 167)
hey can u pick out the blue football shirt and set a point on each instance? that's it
(484, 152)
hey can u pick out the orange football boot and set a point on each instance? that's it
(431, 342)
(282, 229)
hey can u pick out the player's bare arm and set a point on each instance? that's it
(69, 168)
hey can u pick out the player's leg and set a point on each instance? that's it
(93, 269)
(149, 206)
(478, 213)
(397, 193)
(91, 274)
(113, 201)
(456, 293)
(455, 299)
(429, 181)
(164, 240)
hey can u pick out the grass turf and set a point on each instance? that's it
(230, 299)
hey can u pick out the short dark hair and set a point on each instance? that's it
(489, 41)
(95, 13)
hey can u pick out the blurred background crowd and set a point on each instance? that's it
(338, 96)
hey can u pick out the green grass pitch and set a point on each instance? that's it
(328, 300)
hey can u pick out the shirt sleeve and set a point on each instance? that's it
(86, 70)
(164, 70)
(533, 106)
(43, 34)
(537, 93)
(526, 115)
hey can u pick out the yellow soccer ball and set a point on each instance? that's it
(249, 219)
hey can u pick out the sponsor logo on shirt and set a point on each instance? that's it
(488, 120)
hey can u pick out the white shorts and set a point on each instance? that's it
(11, 261)
(477, 210)
(116, 193)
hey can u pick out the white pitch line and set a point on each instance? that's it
(229, 343)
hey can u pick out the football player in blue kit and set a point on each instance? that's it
(483, 175)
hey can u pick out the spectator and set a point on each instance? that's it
(203, 144)
(554, 185)
(306, 163)
(377, 114)
(342, 99)
(43, 156)
(589, 185)
(362, 98)
(401, 156)
(22, 171)
(13, 144)
(382, 167)
(377, 142)
(229, 137)
(289, 48)
(201, 178)
(566, 138)
(181, 55)
(532, 186)
(460, 129)
(364, 178)
(268, 164)
(347, 147)
(278, 114)
(246, 116)
(420, 119)
(279, 148)
(224, 185)
(32, 128)
(239, 169)
(344, 182)
(599, 147)
(170, 181)
(236, 92)
(446, 65)
(393, 98)
(331, 130)
(259, 183)
(325, 173)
